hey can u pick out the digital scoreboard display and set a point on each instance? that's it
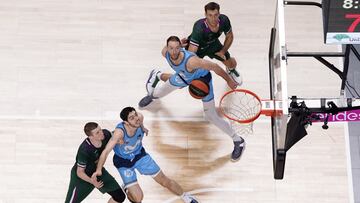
(341, 21)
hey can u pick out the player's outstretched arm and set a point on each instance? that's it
(116, 138)
(196, 62)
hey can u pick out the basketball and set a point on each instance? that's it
(199, 89)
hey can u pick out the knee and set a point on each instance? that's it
(135, 197)
(118, 195)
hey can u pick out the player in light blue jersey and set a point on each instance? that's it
(130, 155)
(187, 67)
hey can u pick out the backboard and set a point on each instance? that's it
(278, 89)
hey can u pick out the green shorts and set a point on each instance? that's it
(211, 50)
(80, 189)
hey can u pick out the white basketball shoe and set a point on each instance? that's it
(187, 198)
(152, 81)
(235, 75)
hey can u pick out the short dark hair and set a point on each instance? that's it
(89, 127)
(173, 38)
(212, 6)
(125, 112)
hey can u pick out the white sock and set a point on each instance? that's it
(212, 116)
(164, 89)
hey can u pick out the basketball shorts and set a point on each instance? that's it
(79, 189)
(146, 166)
(210, 51)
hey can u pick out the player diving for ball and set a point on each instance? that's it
(188, 67)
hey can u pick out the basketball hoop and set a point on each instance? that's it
(244, 106)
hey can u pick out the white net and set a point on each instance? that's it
(242, 106)
(242, 129)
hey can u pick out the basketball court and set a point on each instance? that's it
(65, 63)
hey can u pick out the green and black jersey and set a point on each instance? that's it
(203, 37)
(88, 155)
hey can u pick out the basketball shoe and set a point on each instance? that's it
(239, 147)
(187, 198)
(153, 80)
(235, 75)
(146, 101)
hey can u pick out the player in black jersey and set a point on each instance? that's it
(87, 157)
(204, 39)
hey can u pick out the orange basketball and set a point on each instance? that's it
(198, 89)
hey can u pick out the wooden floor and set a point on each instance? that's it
(64, 63)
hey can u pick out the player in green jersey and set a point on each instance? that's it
(204, 39)
(87, 157)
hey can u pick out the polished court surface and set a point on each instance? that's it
(64, 63)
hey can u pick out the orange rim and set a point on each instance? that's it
(236, 119)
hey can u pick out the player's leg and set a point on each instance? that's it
(111, 187)
(78, 189)
(154, 78)
(212, 116)
(117, 196)
(165, 76)
(135, 193)
(131, 186)
(168, 183)
(174, 187)
(147, 166)
(173, 83)
(229, 62)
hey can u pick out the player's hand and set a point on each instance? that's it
(96, 174)
(146, 131)
(97, 184)
(232, 84)
(184, 42)
(221, 54)
(94, 181)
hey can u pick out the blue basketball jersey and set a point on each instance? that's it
(132, 144)
(182, 71)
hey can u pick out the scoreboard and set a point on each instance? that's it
(341, 20)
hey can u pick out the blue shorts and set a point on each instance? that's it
(175, 80)
(146, 166)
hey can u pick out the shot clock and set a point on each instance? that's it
(341, 20)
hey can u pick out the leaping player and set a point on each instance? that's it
(187, 67)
